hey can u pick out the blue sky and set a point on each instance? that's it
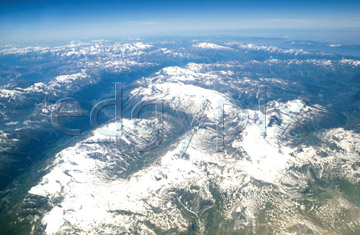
(51, 20)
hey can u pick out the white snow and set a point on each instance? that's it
(207, 45)
(85, 191)
(350, 62)
(70, 78)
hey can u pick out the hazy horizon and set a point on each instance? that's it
(21, 21)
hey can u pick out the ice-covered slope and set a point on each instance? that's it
(199, 180)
